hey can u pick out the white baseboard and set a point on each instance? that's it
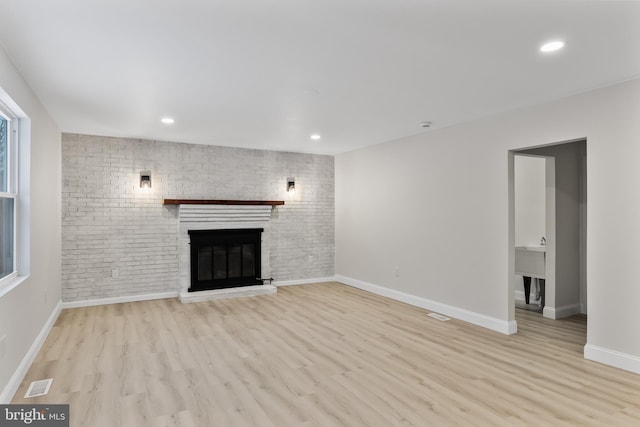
(119, 300)
(567, 310)
(560, 312)
(502, 326)
(551, 312)
(613, 358)
(19, 374)
(176, 294)
(303, 281)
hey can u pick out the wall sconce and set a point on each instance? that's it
(291, 185)
(145, 179)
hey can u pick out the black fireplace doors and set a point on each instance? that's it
(225, 258)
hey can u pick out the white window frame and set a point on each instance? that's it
(12, 188)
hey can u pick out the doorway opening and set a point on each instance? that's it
(548, 222)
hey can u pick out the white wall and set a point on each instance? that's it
(529, 210)
(24, 311)
(529, 185)
(436, 205)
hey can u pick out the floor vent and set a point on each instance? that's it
(39, 388)
(438, 316)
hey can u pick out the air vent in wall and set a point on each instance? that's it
(39, 388)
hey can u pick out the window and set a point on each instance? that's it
(8, 195)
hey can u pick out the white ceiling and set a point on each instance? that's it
(268, 73)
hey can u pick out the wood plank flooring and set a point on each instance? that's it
(322, 355)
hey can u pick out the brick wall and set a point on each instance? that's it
(119, 240)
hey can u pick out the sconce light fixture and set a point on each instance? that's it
(145, 179)
(291, 185)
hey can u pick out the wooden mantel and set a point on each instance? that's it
(222, 202)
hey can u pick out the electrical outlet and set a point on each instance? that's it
(114, 273)
(310, 259)
(397, 272)
(3, 347)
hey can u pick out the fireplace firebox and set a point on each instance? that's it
(225, 258)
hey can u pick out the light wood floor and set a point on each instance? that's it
(322, 355)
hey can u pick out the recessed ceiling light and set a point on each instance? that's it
(315, 137)
(426, 124)
(167, 120)
(552, 46)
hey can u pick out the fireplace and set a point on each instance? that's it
(226, 258)
(200, 223)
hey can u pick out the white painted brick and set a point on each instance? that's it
(108, 222)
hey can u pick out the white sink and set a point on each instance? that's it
(530, 261)
(536, 248)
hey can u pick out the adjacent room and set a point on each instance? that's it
(320, 213)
